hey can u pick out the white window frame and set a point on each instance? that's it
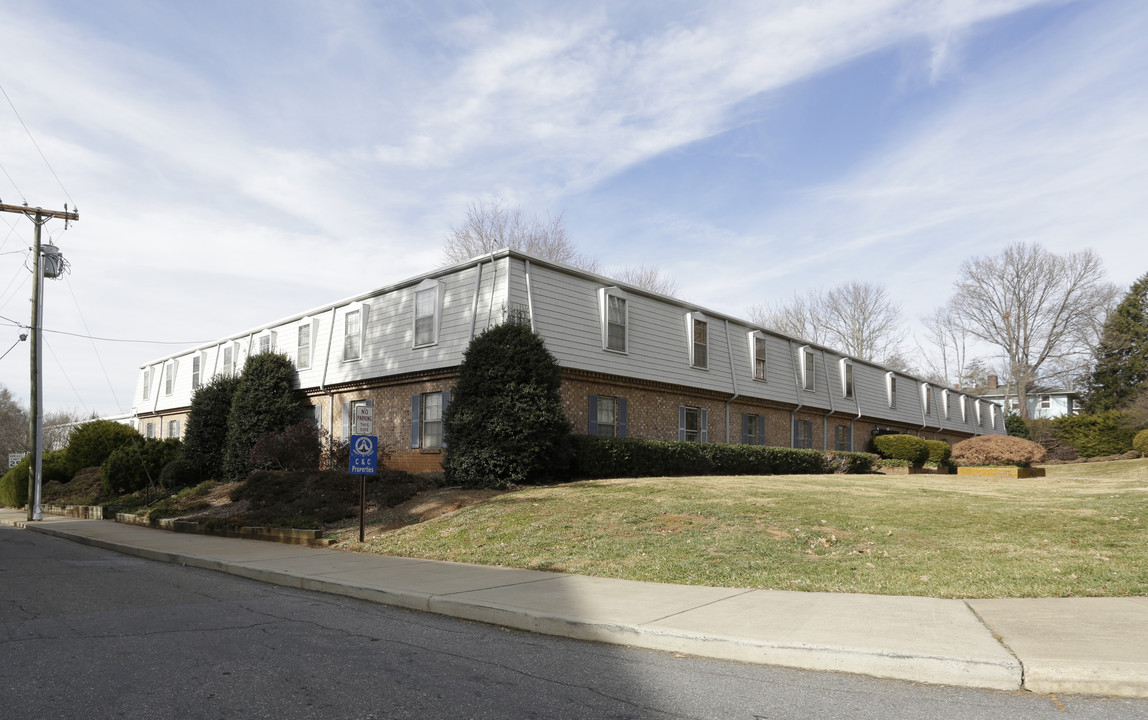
(977, 412)
(149, 430)
(169, 371)
(848, 379)
(424, 422)
(266, 343)
(1045, 402)
(147, 384)
(304, 353)
(756, 361)
(604, 295)
(196, 370)
(807, 427)
(433, 288)
(692, 320)
(964, 408)
(848, 444)
(891, 389)
(610, 403)
(945, 402)
(699, 433)
(362, 309)
(927, 398)
(229, 353)
(173, 429)
(993, 415)
(806, 359)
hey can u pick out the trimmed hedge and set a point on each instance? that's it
(1140, 443)
(599, 457)
(901, 447)
(998, 450)
(1106, 433)
(939, 451)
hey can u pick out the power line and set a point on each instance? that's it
(14, 323)
(96, 350)
(37, 146)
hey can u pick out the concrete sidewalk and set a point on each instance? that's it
(1096, 646)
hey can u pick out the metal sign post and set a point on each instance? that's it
(364, 462)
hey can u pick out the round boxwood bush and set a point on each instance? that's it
(939, 451)
(1140, 443)
(901, 447)
(998, 450)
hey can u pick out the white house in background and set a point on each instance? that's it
(1044, 401)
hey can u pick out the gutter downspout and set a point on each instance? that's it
(474, 304)
(733, 379)
(797, 387)
(323, 384)
(832, 408)
(530, 297)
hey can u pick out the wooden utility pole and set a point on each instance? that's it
(38, 216)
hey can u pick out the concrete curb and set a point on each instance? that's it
(524, 599)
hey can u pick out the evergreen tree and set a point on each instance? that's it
(205, 438)
(505, 425)
(1121, 373)
(265, 401)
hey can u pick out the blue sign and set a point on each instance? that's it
(364, 454)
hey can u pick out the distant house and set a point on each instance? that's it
(1044, 401)
(633, 364)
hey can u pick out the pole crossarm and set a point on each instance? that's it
(32, 211)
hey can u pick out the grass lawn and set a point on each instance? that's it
(1079, 531)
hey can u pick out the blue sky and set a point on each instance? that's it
(235, 162)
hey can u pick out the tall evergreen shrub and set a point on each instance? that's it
(265, 401)
(91, 443)
(1121, 372)
(205, 438)
(505, 424)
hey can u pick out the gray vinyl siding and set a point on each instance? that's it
(566, 313)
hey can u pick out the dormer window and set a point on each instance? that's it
(303, 346)
(945, 396)
(697, 330)
(354, 322)
(891, 388)
(146, 383)
(426, 313)
(169, 378)
(807, 365)
(927, 398)
(757, 359)
(846, 378)
(614, 317)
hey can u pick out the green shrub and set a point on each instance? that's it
(1140, 443)
(901, 447)
(91, 443)
(14, 484)
(1106, 433)
(264, 401)
(599, 457)
(205, 437)
(998, 450)
(134, 465)
(1016, 426)
(505, 424)
(939, 451)
(178, 474)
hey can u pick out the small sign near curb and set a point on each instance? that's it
(364, 454)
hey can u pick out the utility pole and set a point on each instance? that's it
(38, 216)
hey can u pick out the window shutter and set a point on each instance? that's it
(745, 428)
(681, 423)
(704, 422)
(592, 425)
(445, 405)
(415, 406)
(760, 429)
(623, 421)
(346, 421)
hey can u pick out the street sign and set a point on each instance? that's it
(364, 454)
(14, 459)
(363, 423)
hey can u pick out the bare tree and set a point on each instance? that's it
(492, 227)
(1035, 306)
(945, 347)
(857, 318)
(650, 278)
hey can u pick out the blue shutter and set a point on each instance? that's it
(623, 421)
(681, 423)
(760, 429)
(445, 405)
(592, 426)
(704, 422)
(415, 407)
(745, 428)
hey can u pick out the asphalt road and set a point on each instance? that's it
(88, 633)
